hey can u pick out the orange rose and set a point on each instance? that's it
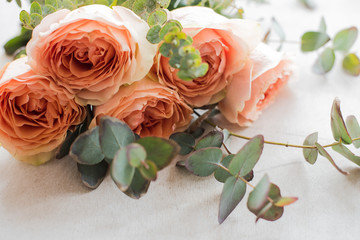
(268, 72)
(148, 107)
(225, 44)
(91, 51)
(35, 114)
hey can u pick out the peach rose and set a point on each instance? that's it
(225, 44)
(91, 51)
(148, 107)
(35, 114)
(268, 72)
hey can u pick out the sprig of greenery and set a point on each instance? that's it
(342, 42)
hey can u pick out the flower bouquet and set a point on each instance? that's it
(127, 87)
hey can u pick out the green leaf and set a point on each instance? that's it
(220, 174)
(345, 39)
(258, 197)
(153, 35)
(185, 140)
(86, 148)
(35, 7)
(325, 62)
(143, 8)
(114, 134)
(354, 129)
(197, 132)
(346, 153)
(148, 170)
(93, 175)
(166, 50)
(324, 153)
(337, 124)
(68, 4)
(35, 19)
(102, 2)
(311, 41)
(159, 150)
(285, 201)
(136, 154)
(65, 147)
(270, 211)
(308, 4)
(310, 155)
(322, 26)
(48, 9)
(17, 42)
(246, 159)
(171, 25)
(212, 139)
(121, 171)
(233, 192)
(25, 18)
(351, 64)
(138, 186)
(204, 162)
(53, 3)
(18, 2)
(163, 3)
(157, 17)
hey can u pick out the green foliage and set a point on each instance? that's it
(204, 162)
(325, 62)
(220, 174)
(92, 175)
(338, 127)
(186, 142)
(311, 41)
(354, 129)
(324, 153)
(346, 153)
(310, 154)
(212, 139)
(121, 171)
(345, 39)
(351, 64)
(17, 42)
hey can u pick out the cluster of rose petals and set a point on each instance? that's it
(148, 107)
(35, 113)
(91, 51)
(268, 71)
(225, 44)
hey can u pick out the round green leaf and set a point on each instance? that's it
(136, 154)
(148, 170)
(25, 18)
(311, 41)
(345, 39)
(270, 211)
(325, 62)
(48, 9)
(153, 35)
(351, 64)
(86, 148)
(204, 162)
(233, 192)
(93, 175)
(159, 150)
(258, 197)
(35, 19)
(212, 139)
(121, 171)
(185, 140)
(138, 187)
(157, 17)
(310, 155)
(220, 174)
(114, 134)
(35, 7)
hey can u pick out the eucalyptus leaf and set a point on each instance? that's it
(310, 155)
(35, 7)
(322, 26)
(65, 147)
(48, 9)
(53, 3)
(338, 127)
(285, 201)
(25, 18)
(354, 129)
(324, 153)
(346, 153)
(35, 19)
(159, 150)
(311, 41)
(246, 159)
(138, 187)
(93, 175)
(86, 148)
(325, 62)
(148, 170)
(270, 211)
(351, 64)
(153, 35)
(233, 192)
(186, 142)
(204, 162)
(114, 134)
(121, 171)
(136, 154)
(220, 174)
(258, 197)
(212, 139)
(345, 39)
(157, 17)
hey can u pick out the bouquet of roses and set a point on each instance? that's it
(118, 86)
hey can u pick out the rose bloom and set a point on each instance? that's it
(268, 72)
(91, 51)
(225, 44)
(149, 108)
(35, 114)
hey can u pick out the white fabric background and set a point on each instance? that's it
(50, 202)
